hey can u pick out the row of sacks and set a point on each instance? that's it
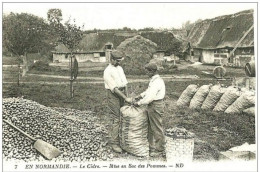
(218, 98)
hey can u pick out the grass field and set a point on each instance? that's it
(209, 128)
(9, 60)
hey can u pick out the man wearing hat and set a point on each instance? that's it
(116, 85)
(153, 97)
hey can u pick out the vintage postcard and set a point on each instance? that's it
(113, 86)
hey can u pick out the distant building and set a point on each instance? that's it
(81, 56)
(225, 40)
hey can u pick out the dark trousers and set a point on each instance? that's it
(156, 136)
(114, 104)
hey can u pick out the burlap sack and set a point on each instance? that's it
(134, 130)
(186, 96)
(213, 97)
(250, 111)
(227, 99)
(246, 100)
(199, 97)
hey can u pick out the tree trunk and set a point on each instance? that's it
(71, 77)
(19, 77)
(25, 64)
(19, 72)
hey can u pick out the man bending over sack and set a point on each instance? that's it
(116, 85)
(153, 97)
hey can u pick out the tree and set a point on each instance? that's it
(126, 29)
(147, 29)
(54, 15)
(55, 26)
(188, 25)
(70, 35)
(24, 33)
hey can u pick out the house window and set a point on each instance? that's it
(228, 28)
(102, 54)
(109, 47)
(224, 51)
(245, 51)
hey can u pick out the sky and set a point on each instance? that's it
(132, 15)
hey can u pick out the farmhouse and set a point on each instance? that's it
(80, 56)
(62, 54)
(225, 40)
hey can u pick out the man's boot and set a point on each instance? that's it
(156, 154)
(116, 148)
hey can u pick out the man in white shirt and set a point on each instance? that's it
(116, 85)
(153, 97)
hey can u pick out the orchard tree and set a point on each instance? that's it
(70, 36)
(24, 33)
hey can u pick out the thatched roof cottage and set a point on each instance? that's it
(226, 40)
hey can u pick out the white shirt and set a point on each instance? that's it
(155, 91)
(114, 77)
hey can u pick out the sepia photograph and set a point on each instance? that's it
(129, 86)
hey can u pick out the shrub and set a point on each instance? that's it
(41, 66)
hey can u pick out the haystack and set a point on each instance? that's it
(138, 52)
